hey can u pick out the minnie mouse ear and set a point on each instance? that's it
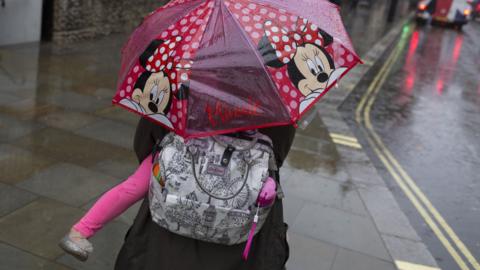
(327, 39)
(150, 51)
(159, 55)
(269, 53)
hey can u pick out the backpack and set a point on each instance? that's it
(207, 188)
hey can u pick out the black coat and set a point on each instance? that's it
(148, 246)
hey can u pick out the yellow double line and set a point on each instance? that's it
(425, 208)
(345, 140)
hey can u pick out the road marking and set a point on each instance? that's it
(401, 265)
(343, 137)
(405, 182)
(345, 140)
(346, 143)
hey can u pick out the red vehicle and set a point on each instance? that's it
(456, 12)
(475, 9)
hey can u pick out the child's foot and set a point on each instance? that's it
(77, 245)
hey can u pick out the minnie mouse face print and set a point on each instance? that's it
(152, 94)
(315, 67)
(310, 67)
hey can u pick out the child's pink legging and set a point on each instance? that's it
(116, 200)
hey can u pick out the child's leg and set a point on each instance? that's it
(116, 200)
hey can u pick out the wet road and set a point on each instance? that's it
(427, 114)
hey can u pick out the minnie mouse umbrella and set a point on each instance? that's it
(206, 67)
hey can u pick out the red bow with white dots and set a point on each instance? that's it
(285, 43)
(162, 59)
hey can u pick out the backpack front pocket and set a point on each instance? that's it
(222, 225)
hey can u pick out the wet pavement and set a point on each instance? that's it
(62, 145)
(368, 22)
(427, 115)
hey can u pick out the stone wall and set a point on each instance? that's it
(83, 19)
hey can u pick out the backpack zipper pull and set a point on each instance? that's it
(250, 236)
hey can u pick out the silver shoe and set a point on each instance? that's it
(76, 245)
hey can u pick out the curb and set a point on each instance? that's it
(406, 248)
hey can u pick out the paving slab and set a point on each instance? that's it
(291, 208)
(386, 212)
(37, 227)
(336, 125)
(349, 154)
(70, 100)
(315, 129)
(120, 167)
(66, 146)
(310, 254)
(365, 173)
(314, 164)
(28, 109)
(11, 128)
(341, 228)
(16, 259)
(8, 98)
(109, 131)
(319, 189)
(118, 114)
(409, 251)
(348, 259)
(69, 183)
(12, 198)
(17, 164)
(67, 120)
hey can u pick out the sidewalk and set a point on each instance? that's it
(57, 157)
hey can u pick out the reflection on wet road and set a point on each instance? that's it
(426, 114)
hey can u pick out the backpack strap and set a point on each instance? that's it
(246, 137)
(273, 174)
(157, 147)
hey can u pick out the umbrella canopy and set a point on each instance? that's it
(206, 67)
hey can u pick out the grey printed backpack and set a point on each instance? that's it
(207, 188)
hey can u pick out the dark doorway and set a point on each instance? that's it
(47, 20)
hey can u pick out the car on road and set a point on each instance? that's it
(445, 12)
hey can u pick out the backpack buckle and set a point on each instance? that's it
(227, 155)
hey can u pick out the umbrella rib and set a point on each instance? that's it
(207, 22)
(259, 58)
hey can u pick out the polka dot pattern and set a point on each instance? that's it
(286, 43)
(181, 40)
(285, 32)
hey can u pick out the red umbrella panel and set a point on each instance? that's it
(202, 68)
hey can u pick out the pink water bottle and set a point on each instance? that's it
(267, 194)
(266, 197)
